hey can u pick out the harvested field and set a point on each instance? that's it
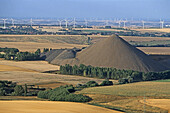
(155, 50)
(136, 38)
(50, 107)
(33, 46)
(150, 89)
(161, 103)
(38, 66)
(153, 30)
(44, 78)
(71, 39)
(13, 68)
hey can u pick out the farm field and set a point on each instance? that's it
(48, 80)
(33, 46)
(154, 30)
(151, 89)
(50, 107)
(13, 68)
(128, 97)
(155, 50)
(136, 38)
(38, 66)
(161, 103)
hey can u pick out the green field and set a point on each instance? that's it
(150, 89)
(128, 97)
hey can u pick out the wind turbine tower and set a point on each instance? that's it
(4, 23)
(66, 23)
(143, 24)
(119, 22)
(161, 24)
(12, 20)
(60, 23)
(124, 24)
(86, 23)
(31, 22)
(74, 23)
(107, 22)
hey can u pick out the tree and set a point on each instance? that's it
(38, 52)
(26, 90)
(18, 90)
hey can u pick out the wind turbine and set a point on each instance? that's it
(60, 22)
(161, 24)
(4, 23)
(31, 22)
(66, 22)
(86, 22)
(143, 24)
(119, 22)
(74, 23)
(107, 22)
(12, 20)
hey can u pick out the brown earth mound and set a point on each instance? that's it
(114, 52)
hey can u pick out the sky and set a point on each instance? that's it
(154, 9)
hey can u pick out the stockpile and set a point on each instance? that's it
(111, 52)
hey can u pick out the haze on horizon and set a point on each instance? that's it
(147, 9)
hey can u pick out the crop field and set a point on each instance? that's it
(154, 30)
(37, 66)
(155, 50)
(13, 68)
(140, 39)
(128, 97)
(161, 103)
(152, 89)
(46, 79)
(50, 107)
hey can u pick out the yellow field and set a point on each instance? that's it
(50, 107)
(13, 68)
(155, 50)
(33, 46)
(136, 38)
(161, 103)
(38, 66)
(154, 30)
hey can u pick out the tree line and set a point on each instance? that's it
(124, 76)
(15, 54)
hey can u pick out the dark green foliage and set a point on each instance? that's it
(2, 92)
(38, 52)
(14, 54)
(18, 90)
(106, 83)
(125, 76)
(91, 84)
(123, 80)
(25, 90)
(46, 49)
(9, 50)
(2, 55)
(63, 93)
